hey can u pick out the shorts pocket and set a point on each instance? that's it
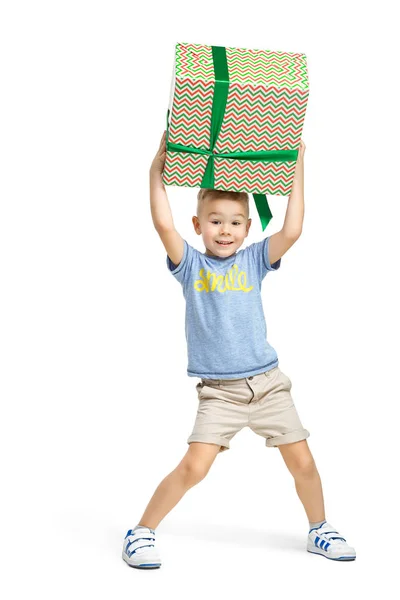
(208, 391)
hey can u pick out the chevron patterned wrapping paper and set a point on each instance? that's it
(265, 109)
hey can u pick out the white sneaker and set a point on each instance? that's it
(139, 548)
(327, 541)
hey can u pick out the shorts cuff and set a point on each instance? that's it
(287, 438)
(210, 439)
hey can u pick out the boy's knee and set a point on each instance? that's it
(304, 468)
(193, 470)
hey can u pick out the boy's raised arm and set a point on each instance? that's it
(281, 241)
(161, 210)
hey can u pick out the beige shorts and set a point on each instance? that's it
(262, 402)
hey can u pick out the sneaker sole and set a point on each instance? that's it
(342, 558)
(154, 565)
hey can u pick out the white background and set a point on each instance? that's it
(96, 405)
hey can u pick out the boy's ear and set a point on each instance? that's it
(248, 227)
(196, 225)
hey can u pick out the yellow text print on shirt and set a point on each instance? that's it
(234, 280)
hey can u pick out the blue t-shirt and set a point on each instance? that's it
(225, 325)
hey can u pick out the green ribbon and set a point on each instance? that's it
(217, 116)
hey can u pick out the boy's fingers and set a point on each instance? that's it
(162, 142)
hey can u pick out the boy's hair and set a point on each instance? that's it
(223, 195)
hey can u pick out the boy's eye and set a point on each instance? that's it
(235, 222)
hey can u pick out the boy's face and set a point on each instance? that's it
(222, 221)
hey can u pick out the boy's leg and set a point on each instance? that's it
(301, 465)
(191, 470)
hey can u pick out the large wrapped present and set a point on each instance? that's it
(235, 119)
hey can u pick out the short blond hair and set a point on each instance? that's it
(223, 195)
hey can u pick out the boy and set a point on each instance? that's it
(241, 383)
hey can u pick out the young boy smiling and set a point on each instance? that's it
(241, 382)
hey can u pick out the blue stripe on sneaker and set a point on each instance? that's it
(316, 541)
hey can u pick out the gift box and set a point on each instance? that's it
(235, 119)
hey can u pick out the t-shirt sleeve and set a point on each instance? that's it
(181, 272)
(259, 252)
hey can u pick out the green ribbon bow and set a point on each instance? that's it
(217, 116)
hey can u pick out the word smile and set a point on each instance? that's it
(234, 281)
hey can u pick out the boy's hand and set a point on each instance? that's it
(300, 159)
(302, 149)
(157, 166)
